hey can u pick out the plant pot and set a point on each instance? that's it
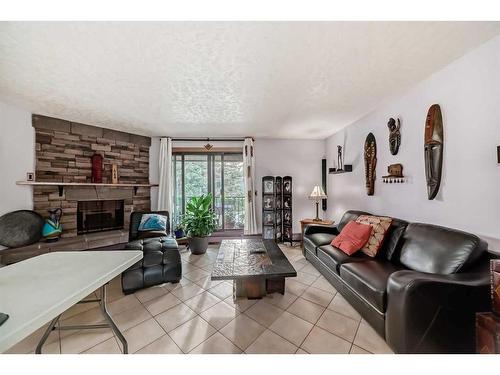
(179, 233)
(198, 245)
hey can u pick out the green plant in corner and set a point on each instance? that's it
(199, 222)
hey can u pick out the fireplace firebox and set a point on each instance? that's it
(99, 216)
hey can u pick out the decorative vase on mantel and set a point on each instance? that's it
(96, 176)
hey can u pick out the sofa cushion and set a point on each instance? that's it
(369, 280)
(349, 216)
(353, 237)
(439, 250)
(312, 241)
(393, 240)
(333, 257)
(380, 225)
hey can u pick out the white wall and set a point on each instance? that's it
(17, 156)
(300, 159)
(468, 91)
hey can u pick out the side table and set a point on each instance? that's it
(305, 222)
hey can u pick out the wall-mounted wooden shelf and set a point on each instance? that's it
(62, 185)
(347, 169)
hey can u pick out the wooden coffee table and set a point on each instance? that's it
(257, 267)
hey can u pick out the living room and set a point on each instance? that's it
(181, 187)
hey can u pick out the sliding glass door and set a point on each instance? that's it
(218, 173)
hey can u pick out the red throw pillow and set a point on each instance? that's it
(352, 237)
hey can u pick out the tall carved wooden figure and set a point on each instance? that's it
(433, 150)
(370, 163)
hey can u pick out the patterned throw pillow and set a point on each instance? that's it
(153, 222)
(380, 226)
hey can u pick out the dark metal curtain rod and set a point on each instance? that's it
(208, 139)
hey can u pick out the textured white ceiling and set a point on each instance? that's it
(265, 79)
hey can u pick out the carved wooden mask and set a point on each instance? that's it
(370, 163)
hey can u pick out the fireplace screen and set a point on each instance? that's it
(98, 216)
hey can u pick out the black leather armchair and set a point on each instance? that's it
(161, 262)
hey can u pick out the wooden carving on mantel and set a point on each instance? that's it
(394, 135)
(433, 150)
(370, 163)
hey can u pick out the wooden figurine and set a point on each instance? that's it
(433, 150)
(370, 163)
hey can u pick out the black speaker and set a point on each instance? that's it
(323, 182)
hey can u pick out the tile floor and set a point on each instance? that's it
(198, 315)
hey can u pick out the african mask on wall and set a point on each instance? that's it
(370, 163)
(433, 150)
(394, 135)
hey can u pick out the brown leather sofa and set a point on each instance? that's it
(422, 290)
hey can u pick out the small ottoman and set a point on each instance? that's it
(161, 264)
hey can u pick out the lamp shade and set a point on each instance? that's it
(317, 193)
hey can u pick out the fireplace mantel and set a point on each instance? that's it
(61, 185)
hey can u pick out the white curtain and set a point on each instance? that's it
(165, 184)
(249, 170)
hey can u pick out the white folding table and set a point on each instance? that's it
(38, 290)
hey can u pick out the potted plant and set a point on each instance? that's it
(199, 222)
(179, 231)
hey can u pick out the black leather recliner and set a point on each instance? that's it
(161, 262)
(420, 292)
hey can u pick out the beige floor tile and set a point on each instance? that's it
(84, 340)
(299, 264)
(340, 305)
(357, 350)
(127, 302)
(110, 346)
(240, 304)
(306, 310)
(196, 274)
(192, 333)
(264, 313)
(161, 304)
(324, 284)
(223, 290)
(187, 291)
(320, 341)
(291, 328)
(283, 301)
(175, 316)
(143, 334)
(130, 318)
(219, 315)
(367, 338)
(202, 302)
(206, 282)
(182, 283)
(305, 278)
(145, 295)
(270, 343)
(78, 309)
(311, 270)
(294, 287)
(216, 344)
(242, 331)
(318, 296)
(188, 267)
(338, 324)
(92, 316)
(163, 345)
(301, 351)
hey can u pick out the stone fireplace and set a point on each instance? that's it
(63, 152)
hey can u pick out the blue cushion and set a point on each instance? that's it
(154, 222)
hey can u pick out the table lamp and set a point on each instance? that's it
(317, 195)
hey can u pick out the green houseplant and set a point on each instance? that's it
(199, 222)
